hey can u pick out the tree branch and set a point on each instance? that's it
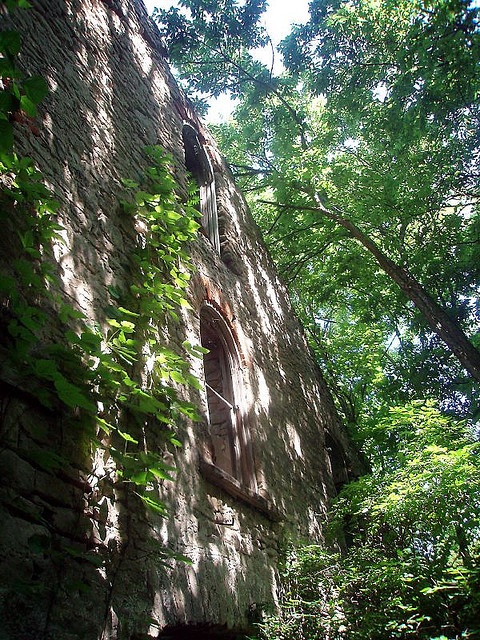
(436, 317)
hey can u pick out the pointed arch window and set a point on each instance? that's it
(199, 165)
(231, 448)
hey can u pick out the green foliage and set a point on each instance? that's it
(404, 54)
(210, 43)
(16, 4)
(411, 566)
(99, 372)
(381, 153)
(19, 95)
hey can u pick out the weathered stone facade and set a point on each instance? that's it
(111, 95)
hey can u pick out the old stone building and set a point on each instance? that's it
(264, 461)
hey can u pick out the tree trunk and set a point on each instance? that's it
(437, 318)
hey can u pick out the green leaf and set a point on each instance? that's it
(128, 327)
(188, 410)
(172, 216)
(130, 184)
(154, 505)
(72, 396)
(114, 323)
(17, 4)
(46, 369)
(7, 103)
(91, 341)
(161, 473)
(104, 425)
(35, 88)
(29, 107)
(179, 557)
(139, 478)
(9, 70)
(177, 376)
(128, 312)
(67, 312)
(10, 42)
(127, 436)
(6, 136)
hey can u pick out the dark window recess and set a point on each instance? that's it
(200, 632)
(231, 448)
(198, 164)
(338, 464)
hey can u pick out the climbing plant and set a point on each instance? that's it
(116, 379)
(20, 94)
(98, 370)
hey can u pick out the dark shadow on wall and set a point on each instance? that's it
(197, 632)
(46, 551)
(43, 528)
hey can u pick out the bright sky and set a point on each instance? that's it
(277, 19)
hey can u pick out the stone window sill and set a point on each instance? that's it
(233, 487)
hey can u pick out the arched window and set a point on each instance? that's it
(338, 464)
(231, 448)
(198, 164)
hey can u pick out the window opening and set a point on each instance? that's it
(198, 164)
(338, 465)
(229, 433)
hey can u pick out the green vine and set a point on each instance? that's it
(117, 382)
(100, 372)
(19, 94)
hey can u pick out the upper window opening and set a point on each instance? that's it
(229, 435)
(198, 164)
(338, 464)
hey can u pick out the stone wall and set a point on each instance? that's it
(111, 95)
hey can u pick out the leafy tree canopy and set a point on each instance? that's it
(410, 570)
(210, 40)
(369, 133)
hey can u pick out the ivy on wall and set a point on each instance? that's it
(116, 381)
(19, 94)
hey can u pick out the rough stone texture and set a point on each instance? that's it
(111, 94)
